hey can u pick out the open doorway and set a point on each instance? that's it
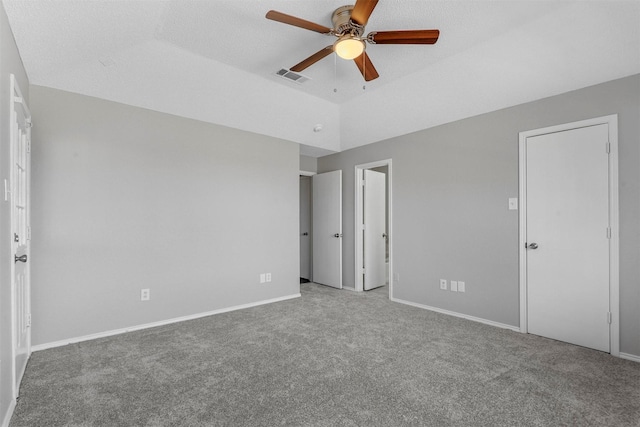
(373, 237)
(306, 222)
(321, 228)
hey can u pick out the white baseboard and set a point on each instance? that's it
(631, 357)
(348, 288)
(67, 341)
(464, 316)
(626, 356)
(9, 414)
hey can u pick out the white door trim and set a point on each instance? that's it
(614, 257)
(358, 220)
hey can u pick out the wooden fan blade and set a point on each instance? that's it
(312, 59)
(366, 67)
(297, 22)
(362, 10)
(405, 37)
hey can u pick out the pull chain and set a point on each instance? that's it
(364, 71)
(335, 72)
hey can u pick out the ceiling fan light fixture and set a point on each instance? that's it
(348, 47)
(349, 26)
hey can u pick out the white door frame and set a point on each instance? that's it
(614, 254)
(18, 101)
(359, 206)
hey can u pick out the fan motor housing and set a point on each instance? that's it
(342, 23)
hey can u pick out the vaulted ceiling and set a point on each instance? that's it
(217, 60)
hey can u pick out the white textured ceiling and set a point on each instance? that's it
(216, 60)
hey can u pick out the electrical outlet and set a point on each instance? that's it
(263, 277)
(267, 277)
(443, 284)
(397, 276)
(145, 294)
(461, 287)
(454, 286)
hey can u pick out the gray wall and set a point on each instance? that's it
(126, 198)
(450, 189)
(10, 63)
(308, 164)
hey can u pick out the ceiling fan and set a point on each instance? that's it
(348, 26)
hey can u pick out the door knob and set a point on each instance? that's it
(22, 258)
(532, 246)
(384, 235)
(305, 234)
(338, 235)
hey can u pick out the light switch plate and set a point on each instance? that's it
(454, 286)
(513, 203)
(443, 284)
(461, 287)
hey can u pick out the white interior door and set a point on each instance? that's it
(375, 235)
(20, 225)
(305, 227)
(327, 228)
(567, 233)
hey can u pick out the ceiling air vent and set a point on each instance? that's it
(290, 75)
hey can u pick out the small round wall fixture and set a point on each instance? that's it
(317, 128)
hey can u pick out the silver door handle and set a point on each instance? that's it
(532, 246)
(22, 258)
(305, 234)
(384, 235)
(338, 235)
